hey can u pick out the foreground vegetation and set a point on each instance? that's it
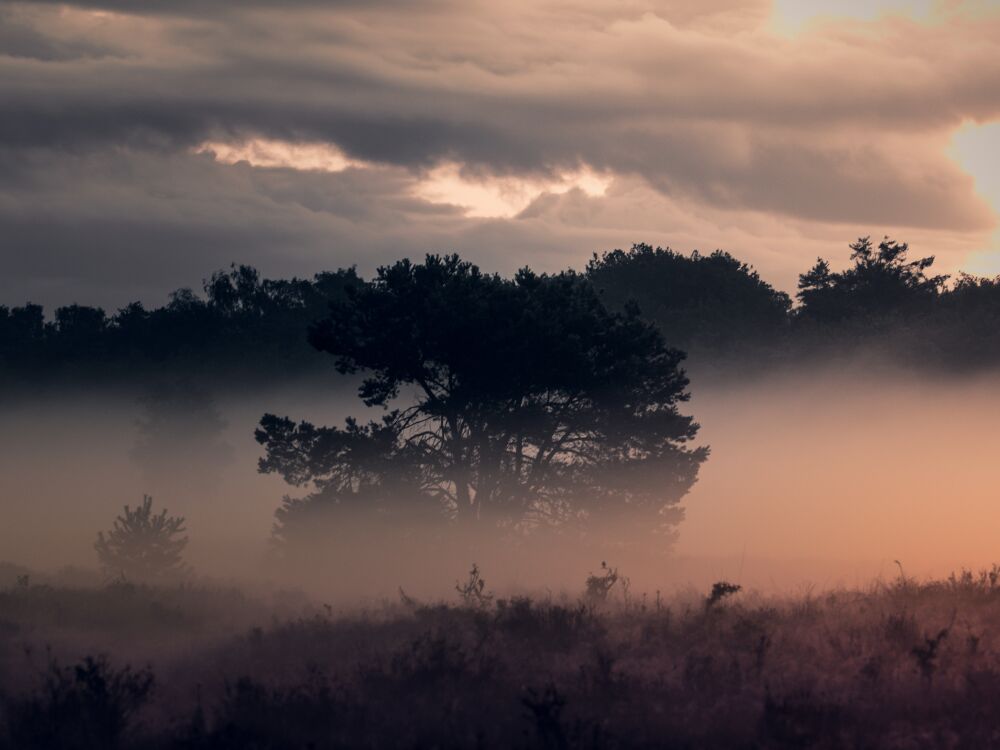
(903, 664)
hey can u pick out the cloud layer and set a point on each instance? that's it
(706, 126)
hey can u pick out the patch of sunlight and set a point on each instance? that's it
(490, 196)
(977, 149)
(791, 16)
(264, 152)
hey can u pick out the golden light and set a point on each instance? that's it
(480, 195)
(264, 152)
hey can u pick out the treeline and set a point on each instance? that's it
(884, 304)
(713, 306)
(241, 323)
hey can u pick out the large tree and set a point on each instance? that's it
(518, 402)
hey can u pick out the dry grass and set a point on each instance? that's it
(907, 664)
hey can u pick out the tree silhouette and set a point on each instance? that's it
(517, 402)
(243, 328)
(703, 303)
(881, 284)
(143, 546)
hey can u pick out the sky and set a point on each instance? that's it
(144, 145)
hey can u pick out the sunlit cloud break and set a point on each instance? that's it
(492, 196)
(480, 196)
(267, 152)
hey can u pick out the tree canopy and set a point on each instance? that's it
(243, 328)
(241, 320)
(701, 303)
(517, 402)
(882, 282)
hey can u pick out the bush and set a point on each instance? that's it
(90, 705)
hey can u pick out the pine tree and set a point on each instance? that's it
(143, 546)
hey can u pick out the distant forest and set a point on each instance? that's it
(714, 307)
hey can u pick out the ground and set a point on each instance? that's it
(898, 665)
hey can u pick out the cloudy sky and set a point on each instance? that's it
(144, 144)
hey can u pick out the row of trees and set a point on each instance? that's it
(714, 307)
(241, 322)
(720, 310)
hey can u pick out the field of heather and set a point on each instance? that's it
(898, 665)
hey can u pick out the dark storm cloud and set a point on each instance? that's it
(20, 40)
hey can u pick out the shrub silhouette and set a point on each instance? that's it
(90, 705)
(143, 546)
(473, 591)
(720, 590)
(599, 586)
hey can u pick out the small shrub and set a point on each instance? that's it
(90, 705)
(473, 591)
(599, 586)
(720, 590)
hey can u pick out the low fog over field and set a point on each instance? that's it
(820, 477)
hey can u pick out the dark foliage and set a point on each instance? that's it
(243, 325)
(90, 705)
(707, 305)
(718, 309)
(721, 590)
(901, 664)
(882, 283)
(520, 403)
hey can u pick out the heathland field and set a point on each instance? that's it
(898, 665)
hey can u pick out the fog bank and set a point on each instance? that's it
(820, 478)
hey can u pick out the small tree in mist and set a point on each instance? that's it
(143, 545)
(519, 403)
